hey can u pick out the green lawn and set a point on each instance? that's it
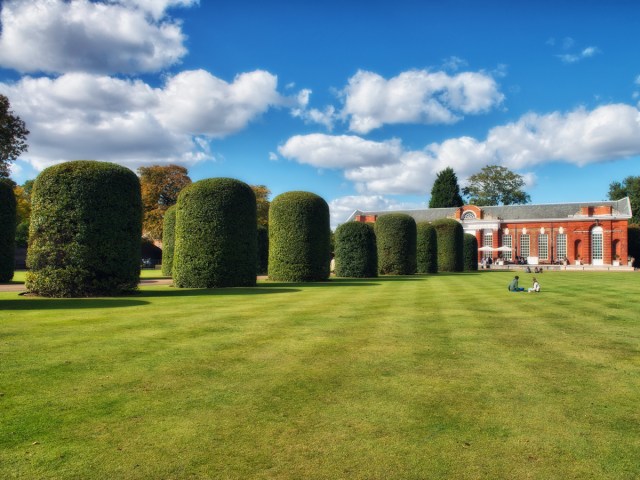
(145, 274)
(425, 377)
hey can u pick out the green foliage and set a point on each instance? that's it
(7, 231)
(396, 236)
(630, 187)
(215, 235)
(495, 185)
(84, 237)
(13, 136)
(356, 251)
(262, 204)
(160, 186)
(168, 240)
(450, 236)
(427, 248)
(299, 238)
(445, 191)
(633, 242)
(470, 250)
(263, 249)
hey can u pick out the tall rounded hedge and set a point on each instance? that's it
(168, 239)
(263, 250)
(7, 231)
(396, 238)
(299, 238)
(215, 235)
(450, 236)
(356, 250)
(633, 242)
(470, 250)
(86, 225)
(427, 248)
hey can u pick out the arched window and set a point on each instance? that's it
(596, 245)
(468, 215)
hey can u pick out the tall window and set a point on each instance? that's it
(543, 246)
(561, 246)
(506, 242)
(524, 246)
(487, 241)
(596, 246)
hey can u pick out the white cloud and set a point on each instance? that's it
(273, 156)
(120, 36)
(341, 208)
(344, 151)
(453, 63)
(580, 137)
(576, 57)
(416, 96)
(198, 103)
(79, 115)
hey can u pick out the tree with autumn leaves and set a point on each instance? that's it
(160, 185)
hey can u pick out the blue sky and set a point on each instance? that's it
(361, 102)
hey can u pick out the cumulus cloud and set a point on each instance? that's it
(343, 151)
(79, 115)
(120, 36)
(341, 208)
(416, 96)
(580, 137)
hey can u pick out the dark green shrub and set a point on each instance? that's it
(470, 250)
(356, 250)
(396, 238)
(263, 250)
(168, 239)
(633, 242)
(450, 235)
(427, 248)
(7, 231)
(299, 240)
(215, 235)
(86, 224)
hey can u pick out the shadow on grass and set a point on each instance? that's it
(68, 303)
(198, 292)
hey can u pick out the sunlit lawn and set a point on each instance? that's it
(425, 377)
(145, 274)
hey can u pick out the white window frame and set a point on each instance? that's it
(487, 241)
(506, 242)
(543, 246)
(597, 246)
(525, 245)
(561, 246)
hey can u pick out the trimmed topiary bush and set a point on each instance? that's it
(427, 248)
(215, 235)
(299, 238)
(168, 239)
(470, 254)
(356, 250)
(633, 242)
(263, 250)
(7, 231)
(86, 225)
(396, 238)
(450, 236)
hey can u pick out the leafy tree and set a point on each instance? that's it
(13, 136)
(160, 186)
(496, 185)
(446, 191)
(23, 212)
(262, 203)
(630, 187)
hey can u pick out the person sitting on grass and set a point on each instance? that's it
(536, 286)
(513, 286)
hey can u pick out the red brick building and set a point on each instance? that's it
(591, 233)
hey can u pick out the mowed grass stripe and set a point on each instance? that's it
(396, 377)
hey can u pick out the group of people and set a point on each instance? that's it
(514, 287)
